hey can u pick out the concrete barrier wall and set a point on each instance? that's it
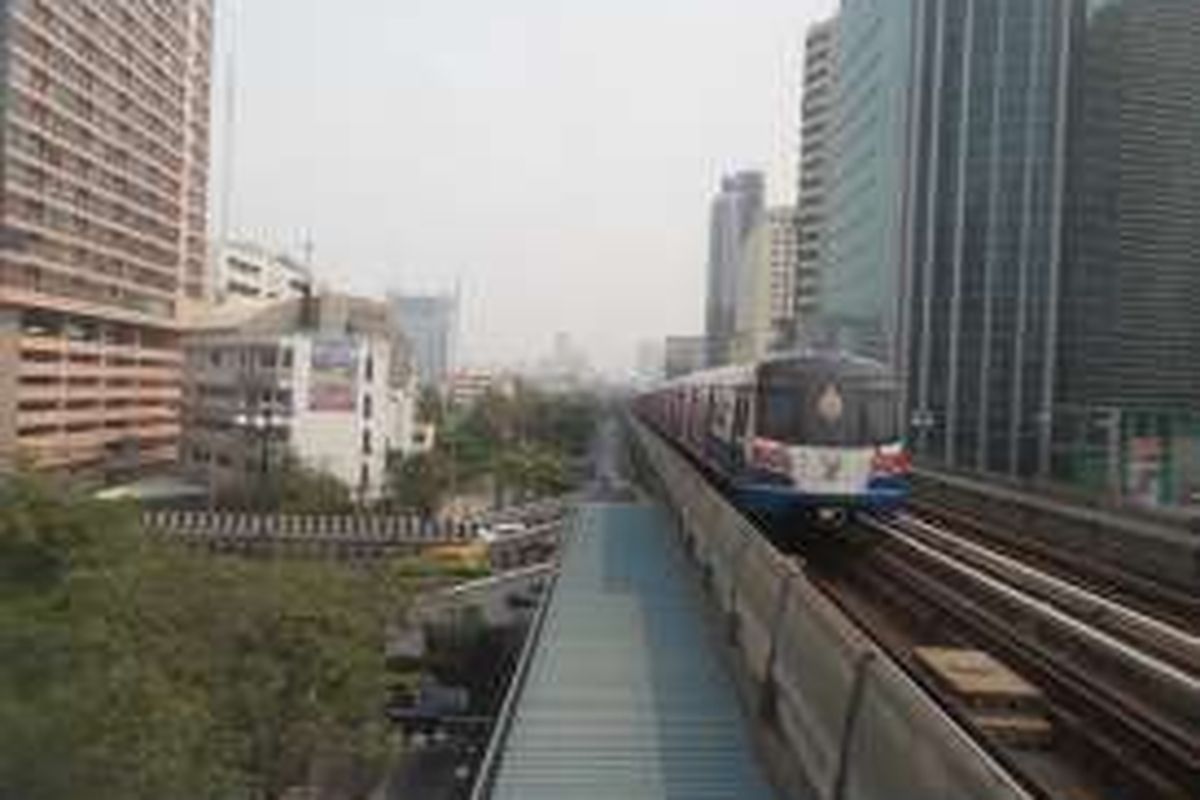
(840, 708)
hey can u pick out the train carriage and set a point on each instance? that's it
(814, 435)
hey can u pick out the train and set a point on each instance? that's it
(812, 436)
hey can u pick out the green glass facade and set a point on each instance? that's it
(1015, 225)
(862, 265)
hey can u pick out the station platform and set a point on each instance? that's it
(626, 694)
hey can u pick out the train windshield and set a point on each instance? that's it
(828, 409)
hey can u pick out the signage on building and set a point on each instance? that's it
(1145, 470)
(333, 374)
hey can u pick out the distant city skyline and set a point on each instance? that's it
(546, 157)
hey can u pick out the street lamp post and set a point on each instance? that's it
(262, 425)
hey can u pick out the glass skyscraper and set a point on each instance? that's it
(861, 263)
(985, 211)
(1129, 349)
(1015, 225)
(736, 209)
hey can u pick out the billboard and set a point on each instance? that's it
(333, 372)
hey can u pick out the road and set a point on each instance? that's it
(429, 774)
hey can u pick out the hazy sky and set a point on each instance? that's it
(556, 156)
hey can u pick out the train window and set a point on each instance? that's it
(741, 413)
(810, 412)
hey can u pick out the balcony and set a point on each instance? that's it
(45, 392)
(43, 344)
(42, 369)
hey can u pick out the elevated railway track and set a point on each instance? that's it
(1109, 656)
(1121, 689)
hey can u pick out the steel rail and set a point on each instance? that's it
(1166, 641)
(1171, 723)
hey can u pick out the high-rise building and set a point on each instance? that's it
(767, 269)
(816, 161)
(784, 258)
(430, 323)
(1128, 382)
(1013, 225)
(684, 355)
(105, 167)
(862, 244)
(247, 271)
(735, 211)
(985, 209)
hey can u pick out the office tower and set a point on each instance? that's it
(862, 259)
(735, 211)
(816, 161)
(1128, 413)
(105, 163)
(985, 203)
(430, 323)
(1033, 255)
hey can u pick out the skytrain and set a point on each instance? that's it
(815, 436)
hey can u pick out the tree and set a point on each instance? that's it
(132, 669)
(303, 490)
(430, 408)
(420, 483)
(291, 487)
(532, 470)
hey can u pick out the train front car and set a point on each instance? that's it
(825, 441)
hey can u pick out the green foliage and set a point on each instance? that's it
(419, 484)
(131, 669)
(525, 440)
(302, 490)
(532, 470)
(430, 408)
(291, 487)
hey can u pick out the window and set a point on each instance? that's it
(370, 369)
(366, 443)
(366, 406)
(858, 411)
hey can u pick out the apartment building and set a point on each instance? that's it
(765, 296)
(326, 380)
(816, 162)
(249, 271)
(104, 148)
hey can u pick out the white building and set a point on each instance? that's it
(248, 271)
(817, 120)
(767, 271)
(325, 379)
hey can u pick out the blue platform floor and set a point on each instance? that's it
(627, 696)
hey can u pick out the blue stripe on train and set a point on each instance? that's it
(882, 494)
